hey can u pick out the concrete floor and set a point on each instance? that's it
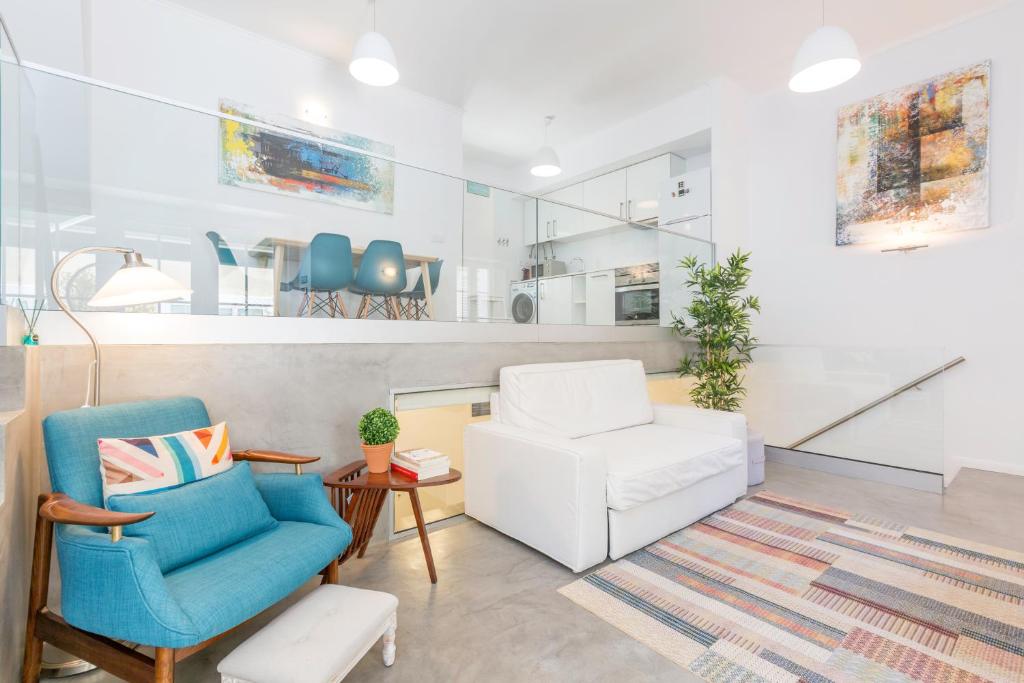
(495, 616)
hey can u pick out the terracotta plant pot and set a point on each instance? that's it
(378, 458)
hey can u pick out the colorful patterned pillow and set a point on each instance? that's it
(158, 462)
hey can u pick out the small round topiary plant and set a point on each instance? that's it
(378, 427)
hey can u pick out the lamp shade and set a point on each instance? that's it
(828, 57)
(373, 60)
(137, 282)
(545, 163)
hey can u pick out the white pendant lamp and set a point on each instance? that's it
(545, 162)
(373, 60)
(827, 57)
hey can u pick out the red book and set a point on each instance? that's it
(401, 470)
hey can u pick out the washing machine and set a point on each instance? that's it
(524, 301)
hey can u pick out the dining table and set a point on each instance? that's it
(275, 249)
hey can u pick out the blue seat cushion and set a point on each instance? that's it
(199, 518)
(227, 588)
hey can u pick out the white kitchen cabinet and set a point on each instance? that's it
(644, 182)
(606, 194)
(554, 301)
(601, 297)
(530, 222)
(558, 221)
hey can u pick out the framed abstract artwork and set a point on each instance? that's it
(272, 161)
(916, 157)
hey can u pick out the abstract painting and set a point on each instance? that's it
(271, 161)
(916, 159)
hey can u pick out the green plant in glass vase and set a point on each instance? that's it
(378, 430)
(718, 319)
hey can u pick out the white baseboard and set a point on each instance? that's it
(897, 476)
(988, 465)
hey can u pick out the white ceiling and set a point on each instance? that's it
(592, 63)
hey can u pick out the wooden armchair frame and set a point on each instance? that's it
(116, 658)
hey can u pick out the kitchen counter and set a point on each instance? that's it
(579, 272)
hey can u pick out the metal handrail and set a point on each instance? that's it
(878, 401)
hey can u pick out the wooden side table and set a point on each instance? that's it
(358, 497)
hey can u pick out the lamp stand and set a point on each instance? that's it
(92, 395)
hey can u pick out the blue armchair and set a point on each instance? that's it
(116, 585)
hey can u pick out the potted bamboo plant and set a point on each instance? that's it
(718, 320)
(378, 430)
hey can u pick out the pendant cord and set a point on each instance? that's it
(373, 14)
(822, 12)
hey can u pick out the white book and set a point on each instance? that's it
(434, 469)
(421, 456)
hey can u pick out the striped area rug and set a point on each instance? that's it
(774, 589)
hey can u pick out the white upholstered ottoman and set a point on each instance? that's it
(317, 640)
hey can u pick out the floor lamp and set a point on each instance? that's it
(135, 282)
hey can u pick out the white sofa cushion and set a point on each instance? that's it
(575, 399)
(650, 461)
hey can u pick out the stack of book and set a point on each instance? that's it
(420, 463)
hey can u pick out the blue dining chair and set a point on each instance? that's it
(226, 257)
(381, 274)
(325, 270)
(415, 300)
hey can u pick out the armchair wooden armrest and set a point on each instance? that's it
(254, 455)
(61, 509)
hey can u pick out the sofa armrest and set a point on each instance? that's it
(301, 498)
(62, 509)
(117, 590)
(548, 492)
(702, 420)
(279, 457)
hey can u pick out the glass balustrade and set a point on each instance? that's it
(861, 404)
(263, 215)
(851, 403)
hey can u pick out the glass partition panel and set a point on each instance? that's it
(262, 215)
(231, 210)
(795, 393)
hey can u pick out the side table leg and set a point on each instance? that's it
(422, 528)
(389, 641)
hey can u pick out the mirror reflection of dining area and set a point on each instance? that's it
(327, 276)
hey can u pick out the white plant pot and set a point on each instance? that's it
(755, 458)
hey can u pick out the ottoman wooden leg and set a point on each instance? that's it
(389, 641)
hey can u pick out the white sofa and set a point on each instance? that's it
(577, 463)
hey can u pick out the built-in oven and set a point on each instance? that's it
(637, 291)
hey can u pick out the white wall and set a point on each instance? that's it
(962, 293)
